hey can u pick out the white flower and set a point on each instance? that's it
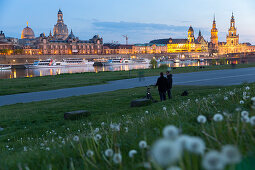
(164, 108)
(244, 113)
(143, 144)
(108, 152)
(165, 152)
(115, 127)
(238, 109)
(117, 158)
(201, 119)
(96, 130)
(226, 98)
(247, 88)
(76, 138)
(195, 145)
(102, 124)
(171, 132)
(183, 140)
(132, 153)
(231, 154)
(245, 119)
(97, 137)
(126, 129)
(218, 117)
(241, 102)
(1, 129)
(196, 100)
(47, 149)
(174, 168)
(252, 120)
(25, 149)
(213, 102)
(253, 99)
(213, 160)
(146, 112)
(89, 153)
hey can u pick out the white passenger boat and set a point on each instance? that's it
(5, 67)
(75, 62)
(141, 61)
(49, 63)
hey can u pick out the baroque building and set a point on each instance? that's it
(232, 44)
(60, 43)
(190, 44)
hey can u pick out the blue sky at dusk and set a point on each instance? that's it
(141, 20)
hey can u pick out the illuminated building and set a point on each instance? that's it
(149, 48)
(185, 45)
(111, 48)
(232, 44)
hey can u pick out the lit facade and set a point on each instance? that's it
(149, 48)
(232, 44)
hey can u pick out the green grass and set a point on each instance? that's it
(40, 127)
(24, 85)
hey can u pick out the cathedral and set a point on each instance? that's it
(60, 43)
(232, 44)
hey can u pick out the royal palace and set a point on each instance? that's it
(63, 42)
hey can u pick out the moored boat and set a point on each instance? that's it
(5, 67)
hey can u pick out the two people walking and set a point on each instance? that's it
(165, 85)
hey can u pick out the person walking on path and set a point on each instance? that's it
(162, 86)
(169, 84)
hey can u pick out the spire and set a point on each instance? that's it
(214, 20)
(50, 33)
(27, 24)
(199, 34)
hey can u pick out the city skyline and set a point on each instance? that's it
(154, 21)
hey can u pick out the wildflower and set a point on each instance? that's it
(201, 119)
(108, 152)
(196, 100)
(115, 127)
(25, 149)
(247, 88)
(143, 144)
(102, 124)
(117, 158)
(244, 113)
(47, 148)
(126, 129)
(89, 153)
(1, 129)
(164, 108)
(132, 153)
(225, 98)
(174, 168)
(146, 112)
(218, 117)
(170, 132)
(213, 102)
(245, 119)
(97, 137)
(241, 102)
(195, 145)
(96, 130)
(213, 160)
(231, 154)
(165, 152)
(183, 140)
(76, 138)
(238, 109)
(252, 120)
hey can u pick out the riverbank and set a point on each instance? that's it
(25, 85)
(36, 136)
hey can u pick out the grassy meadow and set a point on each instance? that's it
(165, 135)
(24, 85)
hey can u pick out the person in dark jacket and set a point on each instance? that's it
(162, 86)
(169, 84)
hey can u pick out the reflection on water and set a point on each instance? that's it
(16, 73)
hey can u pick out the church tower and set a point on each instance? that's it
(191, 37)
(214, 34)
(60, 31)
(232, 37)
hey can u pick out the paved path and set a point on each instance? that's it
(215, 78)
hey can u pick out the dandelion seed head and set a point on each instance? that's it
(76, 138)
(218, 117)
(164, 108)
(244, 113)
(171, 132)
(132, 153)
(245, 119)
(89, 153)
(117, 158)
(225, 98)
(108, 152)
(146, 112)
(252, 120)
(241, 102)
(231, 154)
(195, 145)
(201, 119)
(97, 137)
(165, 152)
(174, 168)
(213, 160)
(143, 144)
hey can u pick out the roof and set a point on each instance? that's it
(160, 41)
(150, 44)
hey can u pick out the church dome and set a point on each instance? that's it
(27, 33)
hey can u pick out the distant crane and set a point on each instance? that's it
(125, 36)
